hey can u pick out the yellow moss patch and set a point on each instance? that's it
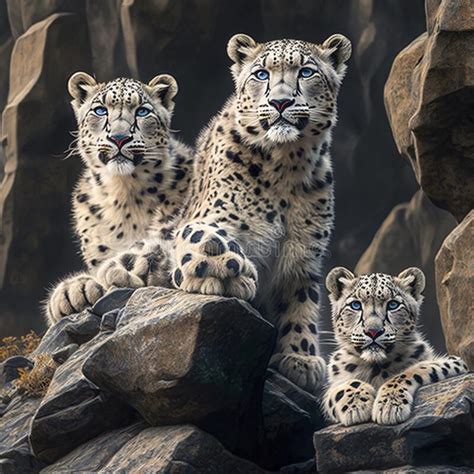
(35, 382)
(23, 345)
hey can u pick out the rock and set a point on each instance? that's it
(171, 449)
(62, 355)
(19, 459)
(75, 329)
(454, 284)
(411, 235)
(109, 320)
(429, 100)
(421, 470)
(29, 214)
(115, 299)
(74, 410)
(185, 358)
(93, 455)
(439, 432)
(290, 417)
(307, 467)
(9, 368)
(14, 424)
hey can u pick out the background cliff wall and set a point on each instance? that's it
(42, 42)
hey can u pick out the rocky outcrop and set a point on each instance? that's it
(411, 235)
(455, 284)
(429, 97)
(167, 346)
(440, 432)
(158, 357)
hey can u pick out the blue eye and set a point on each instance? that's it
(355, 305)
(262, 74)
(101, 111)
(306, 72)
(392, 305)
(142, 112)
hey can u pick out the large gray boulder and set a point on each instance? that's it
(440, 432)
(183, 358)
(74, 410)
(170, 449)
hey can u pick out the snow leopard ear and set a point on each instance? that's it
(338, 50)
(240, 48)
(338, 278)
(80, 85)
(165, 88)
(414, 281)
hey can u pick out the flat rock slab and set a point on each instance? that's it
(440, 433)
(177, 449)
(169, 449)
(93, 455)
(183, 358)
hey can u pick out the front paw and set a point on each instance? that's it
(210, 264)
(392, 406)
(308, 372)
(73, 296)
(134, 270)
(352, 404)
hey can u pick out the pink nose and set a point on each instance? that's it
(373, 333)
(281, 104)
(120, 140)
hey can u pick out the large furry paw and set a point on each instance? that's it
(210, 263)
(135, 269)
(72, 296)
(392, 405)
(351, 404)
(308, 372)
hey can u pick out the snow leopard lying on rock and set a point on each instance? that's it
(382, 359)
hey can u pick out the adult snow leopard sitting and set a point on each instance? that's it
(261, 211)
(134, 184)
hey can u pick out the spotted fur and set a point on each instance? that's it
(134, 184)
(262, 207)
(381, 359)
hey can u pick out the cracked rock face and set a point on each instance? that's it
(440, 432)
(429, 97)
(455, 283)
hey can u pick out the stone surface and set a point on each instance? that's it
(74, 410)
(173, 449)
(455, 284)
(32, 151)
(181, 358)
(429, 97)
(93, 455)
(9, 368)
(75, 329)
(290, 417)
(114, 299)
(411, 235)
(440, 432)
(19, 459)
